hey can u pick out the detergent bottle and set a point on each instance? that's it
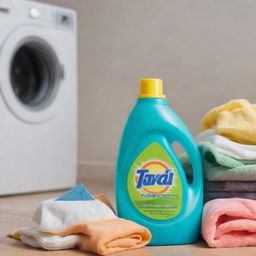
(151, 185)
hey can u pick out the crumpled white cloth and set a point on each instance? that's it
(228, 147)
(55, 216)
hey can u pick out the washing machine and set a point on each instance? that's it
(38, 97)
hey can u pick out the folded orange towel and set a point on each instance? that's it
(229, 222)
(109, 236)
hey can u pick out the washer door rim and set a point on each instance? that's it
(11, 44)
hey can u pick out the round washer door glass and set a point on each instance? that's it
(32, 82)
(33, 74)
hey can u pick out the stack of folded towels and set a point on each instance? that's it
(228, 149)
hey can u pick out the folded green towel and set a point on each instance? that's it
(220, 167)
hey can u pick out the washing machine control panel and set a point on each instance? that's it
(38, 13)
(59, 17)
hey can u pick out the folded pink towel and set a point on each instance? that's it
(229, 222)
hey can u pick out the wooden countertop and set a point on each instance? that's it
(16, 212)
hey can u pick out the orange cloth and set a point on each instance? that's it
(109, 236)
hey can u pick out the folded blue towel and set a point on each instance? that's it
(77, 193)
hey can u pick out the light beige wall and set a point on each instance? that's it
(204, 50)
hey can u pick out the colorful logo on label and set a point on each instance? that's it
(154, 177)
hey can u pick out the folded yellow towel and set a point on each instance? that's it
(235, 120)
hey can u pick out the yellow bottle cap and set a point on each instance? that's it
(151, 88)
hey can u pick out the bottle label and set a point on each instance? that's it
(154, 184)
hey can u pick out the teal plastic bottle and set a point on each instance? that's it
(151, 186)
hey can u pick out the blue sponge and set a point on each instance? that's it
(77, 193)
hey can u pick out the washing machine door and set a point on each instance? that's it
(31, 73)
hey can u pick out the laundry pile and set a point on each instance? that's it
(228, 149)
(227, 145)
(78, 220)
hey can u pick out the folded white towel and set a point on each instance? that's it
(54, 216)
(228, 147)
(34, 238)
